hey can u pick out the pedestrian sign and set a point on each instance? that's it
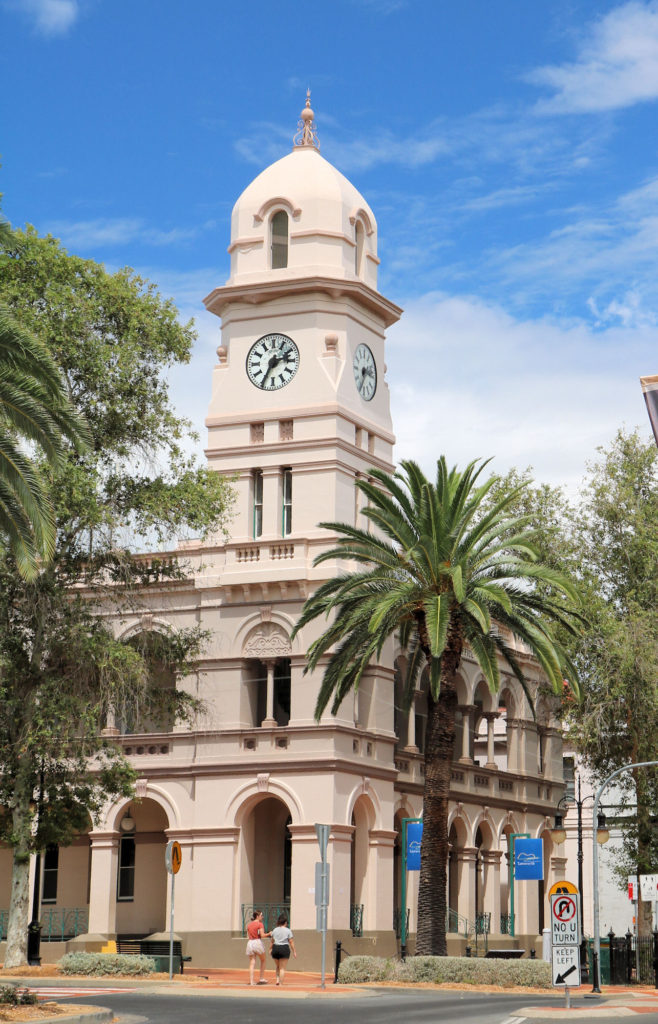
(566, 966)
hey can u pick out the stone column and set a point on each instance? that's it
(466, 858)
(411, 744)
(269, 721)
(513, 745)
(553, 754)
(378, 915)
(558, 872)
(491, 860)
(466, 710)
(103, 884)
(491, 717)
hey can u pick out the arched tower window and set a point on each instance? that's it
(279, 240)
(359, 238)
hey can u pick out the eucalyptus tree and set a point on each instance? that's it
(135, 485)
(442, 568)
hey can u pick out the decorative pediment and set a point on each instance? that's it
(267, 641)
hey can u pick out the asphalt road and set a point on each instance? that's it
(378, 1007)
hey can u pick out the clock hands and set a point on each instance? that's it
(274, 360)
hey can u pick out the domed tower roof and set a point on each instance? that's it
(302, 218)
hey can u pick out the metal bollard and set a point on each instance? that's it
(468, 951)
(533, 955)
(613, 958)
(584, 962)
(628, 950)
(339, 949)
(655, 956)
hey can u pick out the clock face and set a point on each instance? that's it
(365, 372)
(272, 362)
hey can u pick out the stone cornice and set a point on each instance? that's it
(264, 291)
(303, 412)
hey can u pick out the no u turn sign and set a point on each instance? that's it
(565, 939)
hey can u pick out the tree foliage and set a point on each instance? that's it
(63, 669)
(446, 565)
(616, 531)
(607, 537)
(34, 409)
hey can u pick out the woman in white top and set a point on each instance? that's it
(282, 946)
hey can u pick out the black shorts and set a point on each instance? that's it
(281, 952)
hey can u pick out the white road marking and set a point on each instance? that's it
(61, 993)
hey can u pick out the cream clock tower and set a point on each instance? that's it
(300, 403)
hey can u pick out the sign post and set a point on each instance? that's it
(322, 892)
(523, 867)
(172, 863)
(565, 937)
(412, 835)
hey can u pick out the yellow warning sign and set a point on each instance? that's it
(173, 857)
(563, 889)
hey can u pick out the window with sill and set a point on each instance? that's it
(155, 712)
(126, 871)
(279, 240)
(50, 869)
(286, 510)
(257, 502)
(359, 238)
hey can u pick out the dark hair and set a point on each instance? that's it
(255, 914)
(282, 919)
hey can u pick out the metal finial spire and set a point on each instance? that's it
(306, 135)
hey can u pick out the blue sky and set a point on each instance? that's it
(508, 150)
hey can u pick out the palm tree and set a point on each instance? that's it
(34, 409)
(445, 568)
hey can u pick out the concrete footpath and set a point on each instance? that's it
(614, 1003)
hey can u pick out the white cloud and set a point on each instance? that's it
(49, 17)
(469, 380)
(617, 65)
(90, 234)
(612, 248)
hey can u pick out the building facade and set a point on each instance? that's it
(299, 413)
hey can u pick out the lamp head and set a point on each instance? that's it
(602, 832)
(127, 823)
(558, 834)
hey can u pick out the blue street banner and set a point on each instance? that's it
(414, 837)
(528, 859)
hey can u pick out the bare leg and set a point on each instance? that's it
(252, 965)
(282, 970)
(278, 968)
(261, 957)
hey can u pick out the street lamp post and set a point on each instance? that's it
(559, 835)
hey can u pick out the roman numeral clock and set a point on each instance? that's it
(272, 362)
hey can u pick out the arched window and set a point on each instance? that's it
(279, 240)
(359, 237)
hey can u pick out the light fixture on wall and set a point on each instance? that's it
(127, 823)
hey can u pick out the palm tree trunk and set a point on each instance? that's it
(439, 746)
